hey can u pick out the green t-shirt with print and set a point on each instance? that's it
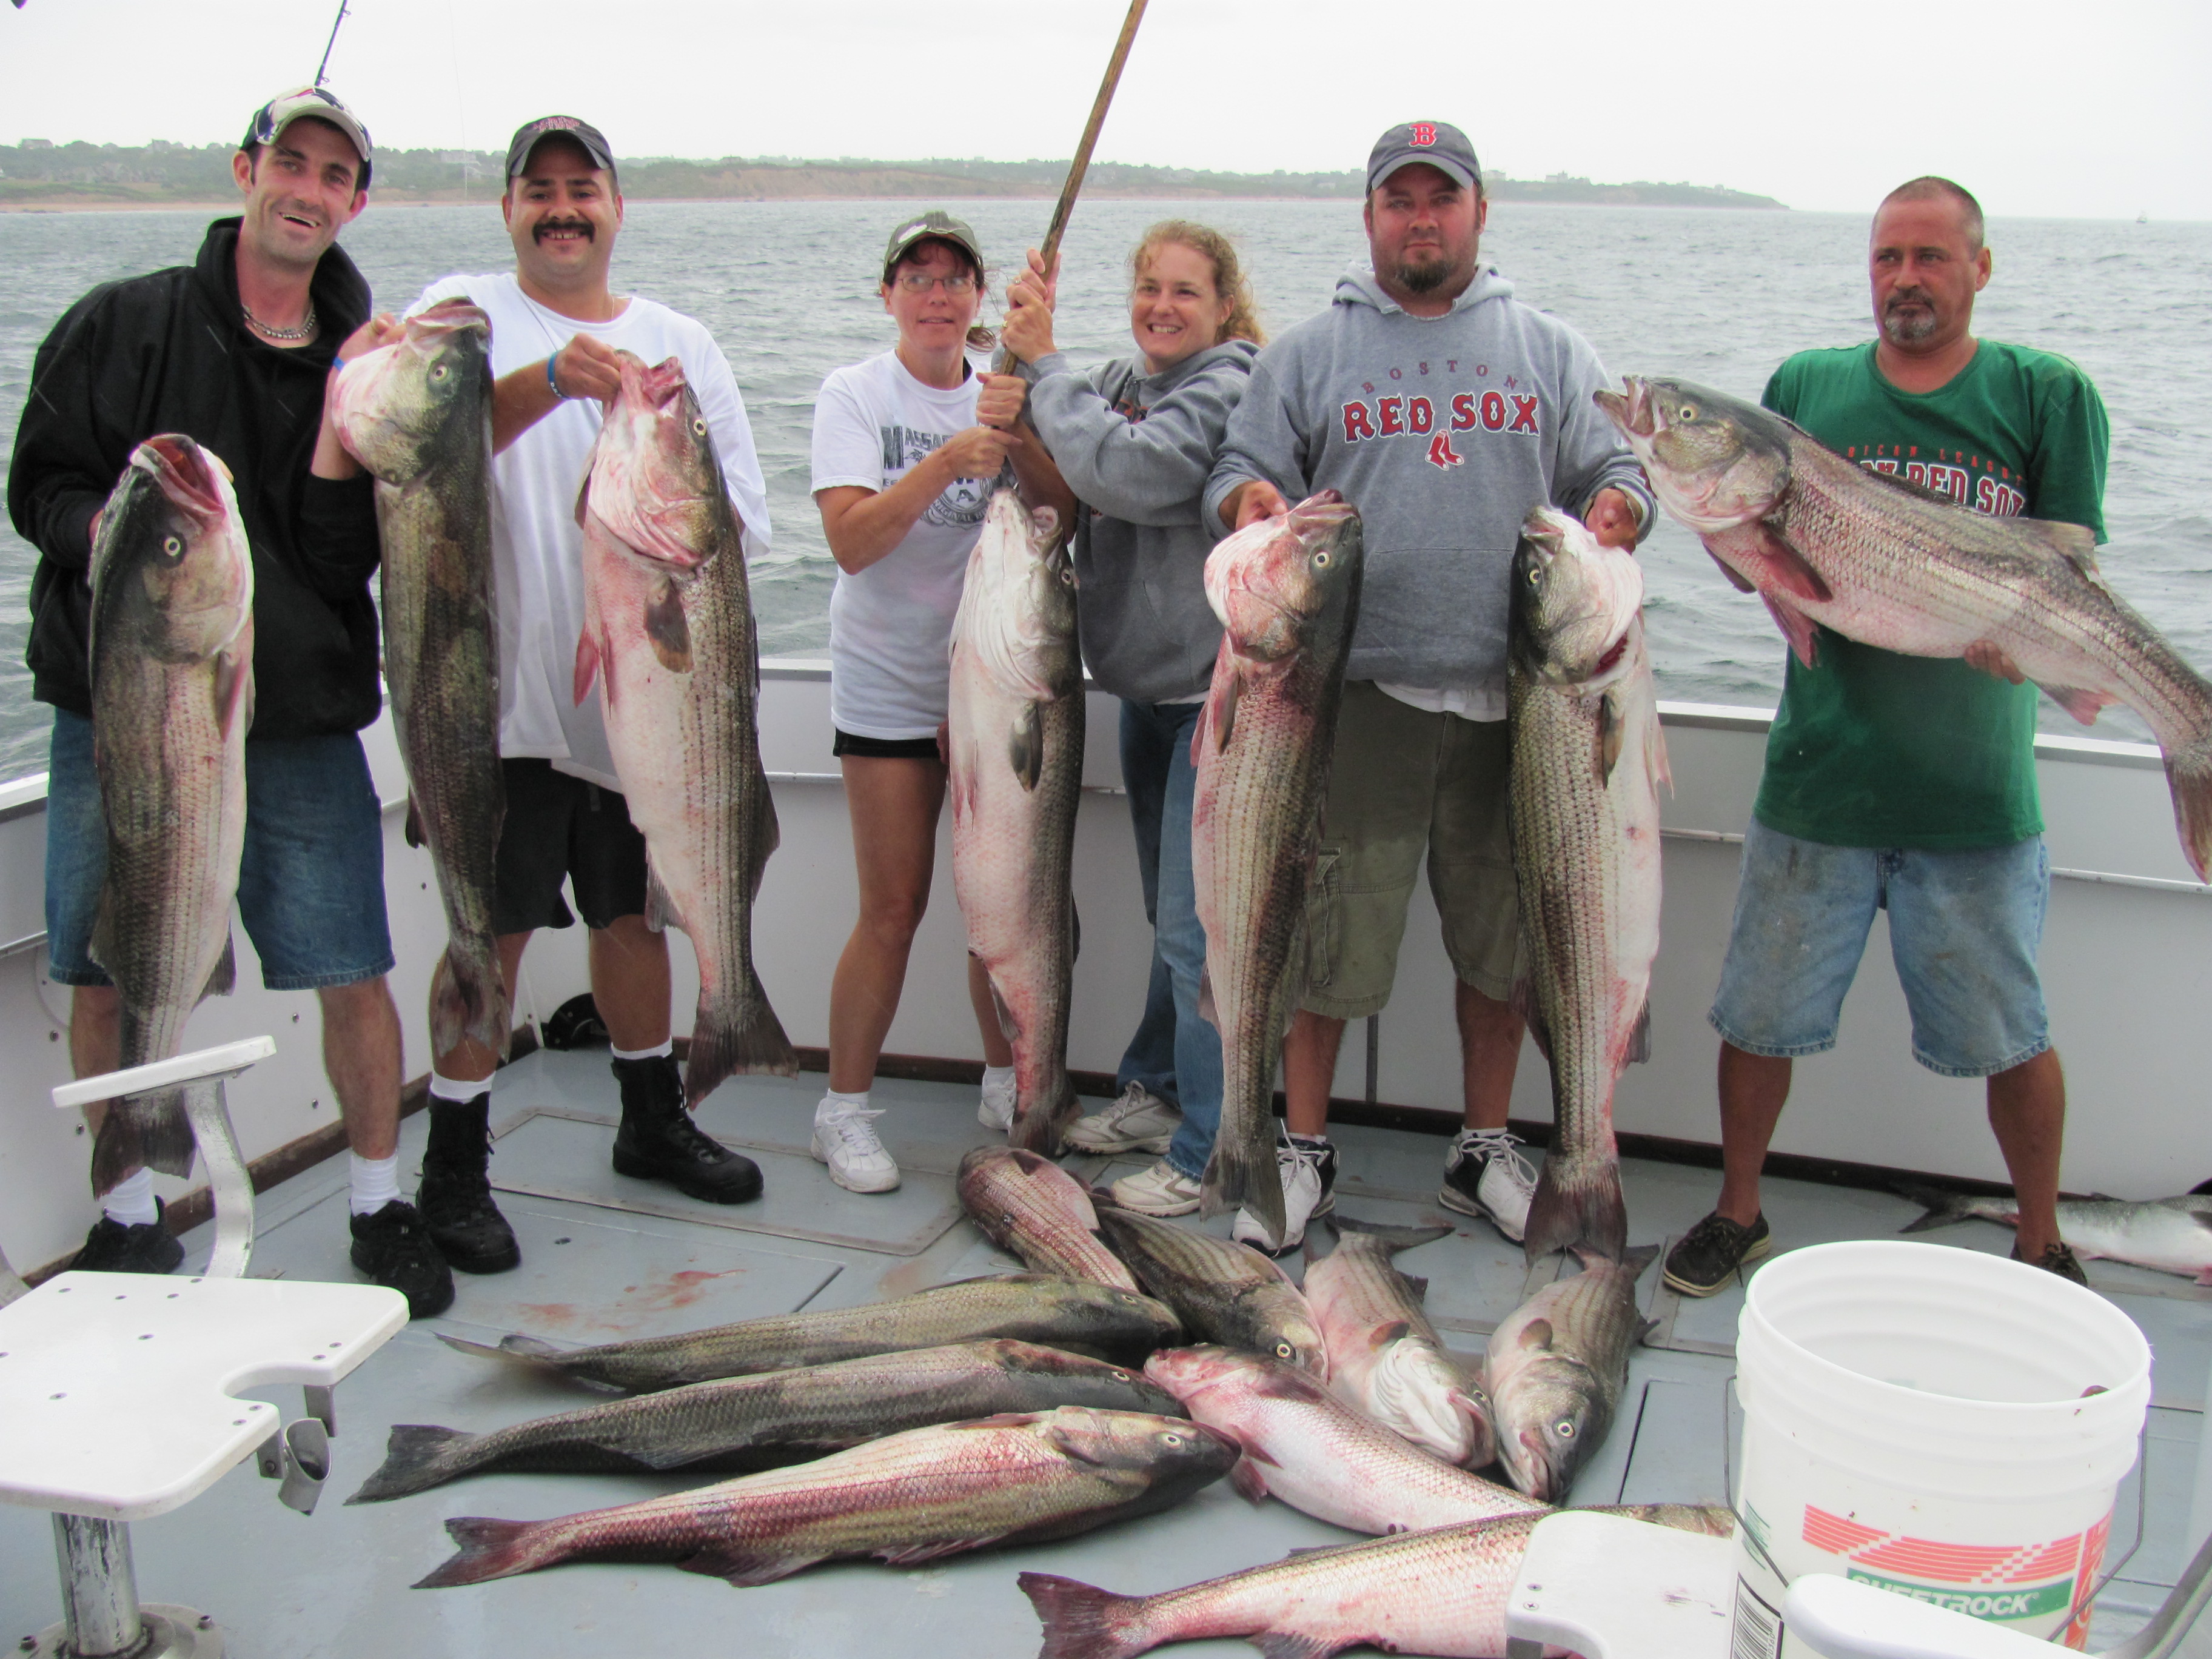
(1873, 749)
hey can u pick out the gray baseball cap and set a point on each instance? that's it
(1439, 144)
(582, 134)
(937, 223)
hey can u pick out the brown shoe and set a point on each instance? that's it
(2057, 1259)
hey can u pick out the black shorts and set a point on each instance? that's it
(886, 748)
(558, 826)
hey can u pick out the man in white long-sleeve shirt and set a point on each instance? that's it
(557, 327)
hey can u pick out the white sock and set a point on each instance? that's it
(832, 1101)
(998, 1080)
(129, 1202)
(665, 1046)
(461, 1089)
(1309, 1140)
(375, 1182)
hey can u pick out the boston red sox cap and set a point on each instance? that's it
(270, 121)
(582, 134)
(1439, 144)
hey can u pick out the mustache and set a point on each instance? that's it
(1908, 296)
(546, 226)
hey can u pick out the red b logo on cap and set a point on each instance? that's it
(1424, 133)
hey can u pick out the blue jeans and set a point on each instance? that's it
(1175, 1052)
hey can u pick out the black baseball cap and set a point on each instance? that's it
(937, 223)
(582, 134)
(270, 121)
(1439, 144)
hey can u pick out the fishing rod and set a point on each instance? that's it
(323, 68)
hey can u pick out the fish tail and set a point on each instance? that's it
(1578, 1203)
(2189, 777)
(530, 1349)
(1083, 1622)
(1243, 1176)
(1938, 1208)
(748, 1044)
(1043, 1128)
(151, 1132)
(468, 999)
(417, 1457)
(491, 1549)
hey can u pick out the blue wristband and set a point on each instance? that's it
(550, 381)
(337, 363)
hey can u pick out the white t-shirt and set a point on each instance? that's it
(538, 547)
(890, 626)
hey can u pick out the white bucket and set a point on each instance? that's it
(1927, 1419)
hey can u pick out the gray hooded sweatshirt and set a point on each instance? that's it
(1137, 450)
(1443, 431)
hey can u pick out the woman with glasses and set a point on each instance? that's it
(1134, 441)
(906, 447)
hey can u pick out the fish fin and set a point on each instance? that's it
(669, 629)
(1296, 1645)
(1654, 754)
(1207, 1010)
(1643, 1329)
(1938, 1208)
(2075, 542)
(1383, 1336)
(768, 831)
(222, 978)
(584, 489)
(1771, 563)
(745, 1568)
(1082, 1621)
(411, 831)
(414, 1459)
(1226, 725)
(1418, 1285)
(1577, 1201)
(1742, 583)
(1074, 929)
(1611, 734)
(660, 913)
(488, 1549)
(1007, 1028)
(1897, 481)
(101, 946)
(751, 1045)
(2083, 705)
(1635, 1258)
(528, 1349)
(1025, 745)
(1251, 1484)
(914, 1555)
(1798, 627)
(1638, 1048)
(1043, 1128)
(1523, 1000)
(234, 690)
(1536, 1333)
(587, 665)
(2189, 780)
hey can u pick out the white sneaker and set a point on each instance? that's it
(844, 1140)
(995, 1110)
(1309, 1172)
(1161, 1190)
(1487, 1175)
(1140, 1122)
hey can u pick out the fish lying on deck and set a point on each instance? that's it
(1307, 1448)
(765, 1421)
(1887, 563)
(2173, 1235)
(1558, 1366)
(1095, 1320)
(1223, 1291)
(912, 1498)
(1026, 1203)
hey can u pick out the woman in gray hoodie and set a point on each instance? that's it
(1133, 442)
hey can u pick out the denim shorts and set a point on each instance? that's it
(1964, 928)
(310, 882)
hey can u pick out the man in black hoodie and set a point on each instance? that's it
(236, 351)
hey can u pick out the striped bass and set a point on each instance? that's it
(1026, 1203)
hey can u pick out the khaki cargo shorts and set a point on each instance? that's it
(1407, 782)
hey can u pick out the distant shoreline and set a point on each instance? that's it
(112, 205)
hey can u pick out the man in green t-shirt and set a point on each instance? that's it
(1908, 783)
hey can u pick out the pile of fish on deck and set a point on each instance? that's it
(1136, 1363)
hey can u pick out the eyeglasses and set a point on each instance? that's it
(914, 281)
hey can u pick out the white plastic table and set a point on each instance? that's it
(1606, 1587)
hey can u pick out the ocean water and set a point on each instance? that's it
(1715, 296)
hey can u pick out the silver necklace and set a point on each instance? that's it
(305, 331)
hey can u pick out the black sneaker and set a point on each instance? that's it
(1308, 1169)
(455, 1197)
(658, 1140)
(2057, 1259)
(1707, 1256)
(1487, 1173)
(112, 1248)
(394, 1248)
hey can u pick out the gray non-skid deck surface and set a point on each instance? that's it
(606, 1258)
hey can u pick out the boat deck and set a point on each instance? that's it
(606, 1258)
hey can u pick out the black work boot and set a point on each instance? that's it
(455, 1195)
(658, 1140)
(112, 1248)
(393, 1248)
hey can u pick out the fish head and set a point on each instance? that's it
(1574, 601)
(1297, 1340)
(655, 480)
(1122, 1387)
(173, 553)
(1271, 581)
(1160, 1449)
(397, 408)
(1715, 461)
(1419, 1393)
(1017, 612)
(1184, 1372)
(1549, 1416)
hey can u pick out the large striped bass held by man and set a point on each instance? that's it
(1014, 748)
(668, 636)
(1287, 591)
(171, 660)
(1588, 758)
(1886, 562)
(417, 414)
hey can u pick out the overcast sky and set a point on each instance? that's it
(2043, 108)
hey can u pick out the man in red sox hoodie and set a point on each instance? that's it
(1444, 410)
